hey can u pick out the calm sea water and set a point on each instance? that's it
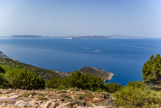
(123, 57)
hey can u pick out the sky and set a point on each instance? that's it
(80, 17)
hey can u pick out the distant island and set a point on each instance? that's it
(89, 37)
(117, 36)
(103, 37)
(28, 37)
(25, 36)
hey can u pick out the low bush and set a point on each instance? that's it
(78, 80)
(86, 81)
(135, 95)
(1, 80)
(112, 87)
(54, 83)
(2, 70)
(23, 79)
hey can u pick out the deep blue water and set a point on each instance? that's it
(123, 57)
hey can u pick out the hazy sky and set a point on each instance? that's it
(80, 17)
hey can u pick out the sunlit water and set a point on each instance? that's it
(123, 57)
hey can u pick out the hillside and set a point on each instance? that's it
(45, 73)
(48, 74)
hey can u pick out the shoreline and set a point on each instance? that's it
(110, 77)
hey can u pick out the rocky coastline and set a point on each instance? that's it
(106, 76)
(2, 55)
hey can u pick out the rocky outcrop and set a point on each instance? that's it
(3, 55)
(98, 72)
(10, 98)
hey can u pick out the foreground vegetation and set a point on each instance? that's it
(143, 94)
(46, 74)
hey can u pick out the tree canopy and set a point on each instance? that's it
(152, 70)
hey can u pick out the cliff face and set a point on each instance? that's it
(98, 72)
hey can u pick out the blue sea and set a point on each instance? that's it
(123, 57)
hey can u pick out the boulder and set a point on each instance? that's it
(21, 103)
(47, 105)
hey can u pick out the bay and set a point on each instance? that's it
(123, 57)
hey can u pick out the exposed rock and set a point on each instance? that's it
(108, 102)
(67, 105)
(95, 100)
(7, 100)
(33, 103)
(3, 55)
(47, 105)
(14, 97)
(104, 95)
(4, 97)
(98, 72)
(53, 99)
(81, 103)
(64, 96)
(54, 105)
(21, 103)
(81, 107)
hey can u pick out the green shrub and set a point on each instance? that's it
(66, 83)
(133, 95)
(2, 70)
(22, 79)
(2, 80)
(86, 81)
(54, 83)
(78, 80)
(136, 84)
(112, 87)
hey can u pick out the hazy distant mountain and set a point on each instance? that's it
(118, 36)
(89, 37)
(26, 36)
(76, 37)
(103, 37)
